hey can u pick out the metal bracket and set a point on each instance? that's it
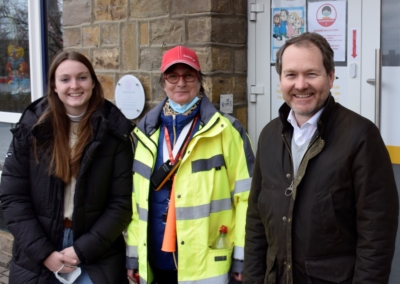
(371, 81)
(254, 91)
(254, 9)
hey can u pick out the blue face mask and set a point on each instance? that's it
(182, 108)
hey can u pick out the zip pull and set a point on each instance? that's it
(289, 190)
(174, 127)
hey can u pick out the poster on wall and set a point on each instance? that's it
(328, 18)
(287, 3)
(339, 87)
(286, 22)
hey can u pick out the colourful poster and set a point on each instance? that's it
(287, 22)
(329, 20)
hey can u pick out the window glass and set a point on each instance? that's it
(15, 92)
(54, 28)
(390, 33)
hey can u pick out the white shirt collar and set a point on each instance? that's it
(307, 130)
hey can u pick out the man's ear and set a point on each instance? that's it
(331, 78)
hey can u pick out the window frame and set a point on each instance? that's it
(35, 21)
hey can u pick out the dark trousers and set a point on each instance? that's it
(165, 276)
(171, 277)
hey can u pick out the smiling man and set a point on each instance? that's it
(323, 206)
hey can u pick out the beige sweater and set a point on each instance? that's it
(69, 190)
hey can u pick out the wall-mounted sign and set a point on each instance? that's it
(288, 20)
(328, 18)
(129, 96)
(226, 103)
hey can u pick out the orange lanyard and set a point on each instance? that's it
(181, 150)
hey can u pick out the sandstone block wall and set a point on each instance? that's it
(130, 36)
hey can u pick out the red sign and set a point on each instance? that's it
(326, 15)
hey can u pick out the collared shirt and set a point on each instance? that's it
(307, 130)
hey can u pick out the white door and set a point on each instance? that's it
(355, 35)
(366, 41)
(390, 102)
(258, 58)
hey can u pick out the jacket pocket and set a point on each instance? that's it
(334, 269)
(219, 261)
(329, 225)
(270, 275)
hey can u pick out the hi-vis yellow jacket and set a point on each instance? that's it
(212, 188)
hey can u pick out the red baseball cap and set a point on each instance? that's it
(180, 54)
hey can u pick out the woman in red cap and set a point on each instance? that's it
(193, 167)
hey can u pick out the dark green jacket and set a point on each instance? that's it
(336, 221)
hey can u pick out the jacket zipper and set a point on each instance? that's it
(174, 127)
(144, 145)
(197, 133)
(211, 126)
(289, 190)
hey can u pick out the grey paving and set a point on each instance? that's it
(4, 272)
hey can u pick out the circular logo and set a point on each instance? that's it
(128, 85)
(326, 15)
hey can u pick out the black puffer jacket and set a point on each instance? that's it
(33, 201)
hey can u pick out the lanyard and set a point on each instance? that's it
(184, 137)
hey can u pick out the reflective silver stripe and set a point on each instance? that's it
(143, 214)
(202, 211)
(213, 280)
(141, 280)
(242, 185)
(142, 169)
(221, 205)
(248, 150)
(208, 164)
(238, 252)
(131, 251)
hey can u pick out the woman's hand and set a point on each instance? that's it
(70, 252)
(131, 276)
(56, 260)
(238, 276)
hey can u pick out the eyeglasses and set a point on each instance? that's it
(173, 78)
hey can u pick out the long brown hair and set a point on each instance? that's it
(65, 163)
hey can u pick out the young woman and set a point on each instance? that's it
(67, 182)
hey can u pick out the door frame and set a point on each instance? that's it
(364, 16)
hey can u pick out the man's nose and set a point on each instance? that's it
(301, 83)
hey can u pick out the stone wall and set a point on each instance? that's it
(6, 243)
(130, 36)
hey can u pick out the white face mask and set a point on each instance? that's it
(68, 278)
(182, 108)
